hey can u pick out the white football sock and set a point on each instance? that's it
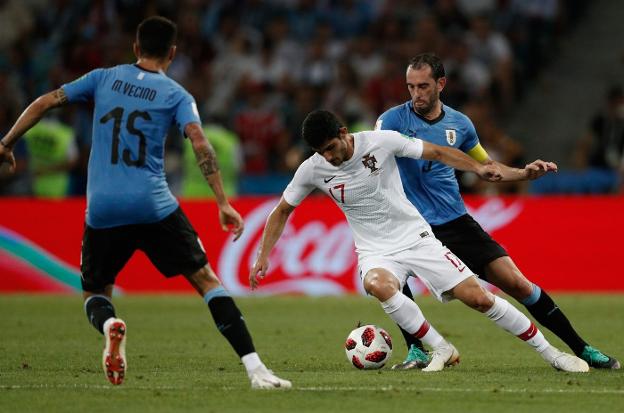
(509, 318)
(407, 314)
(251, 362)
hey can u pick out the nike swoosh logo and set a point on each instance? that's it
(326, 180)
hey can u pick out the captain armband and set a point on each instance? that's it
(478, 153)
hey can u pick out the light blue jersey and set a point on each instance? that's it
(432, 186)
(134, 109)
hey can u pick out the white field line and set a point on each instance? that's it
(325, 389)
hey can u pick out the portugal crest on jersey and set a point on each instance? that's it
(451, 136)
(370, 162)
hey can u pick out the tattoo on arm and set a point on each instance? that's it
(60, 96)
(207, 160)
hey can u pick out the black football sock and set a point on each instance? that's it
(548, 314)
(409, 338)
(99, 308)
(229, 320)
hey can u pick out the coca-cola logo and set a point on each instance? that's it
(494, 214)
(315, 258)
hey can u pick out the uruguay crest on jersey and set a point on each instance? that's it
(451, 136)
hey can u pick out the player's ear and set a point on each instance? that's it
(441, 83)
(343, 131)
(136, 49)
(172, 52)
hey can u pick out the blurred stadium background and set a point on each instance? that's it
(539, 78)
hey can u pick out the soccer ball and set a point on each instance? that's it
(368, 347)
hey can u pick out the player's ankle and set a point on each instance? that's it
(251, 362)
(549, 353)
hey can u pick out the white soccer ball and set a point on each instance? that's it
(368, 347)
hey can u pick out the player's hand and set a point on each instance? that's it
(539, 168)
(490, 172)
(258, 272)
(6, 156)
(231, 221)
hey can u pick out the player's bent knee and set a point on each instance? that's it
(471, 293)
(203, 280)
(380, 284)
(520, 288)
(483, 302)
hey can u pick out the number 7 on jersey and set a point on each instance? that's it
(341, 189)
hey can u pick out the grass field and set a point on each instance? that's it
(179, 362)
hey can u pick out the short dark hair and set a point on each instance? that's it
(319, 127)
(431, 60)
(155, 36)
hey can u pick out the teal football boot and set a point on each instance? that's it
(597, 359)
(416, 359)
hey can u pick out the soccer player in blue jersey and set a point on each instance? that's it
(129, 205)
(433, 189)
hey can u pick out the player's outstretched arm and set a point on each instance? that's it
(29, 117)
(531, 171)
(229, 218)
(459, 160)
(272, 231)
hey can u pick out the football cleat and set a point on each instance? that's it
(597, 359)
(114, 357)
(263, 378)
(567, 362)
(416, 359)
(443, 356)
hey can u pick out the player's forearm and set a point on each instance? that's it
(216, 184)
(451, 157)
(207, 163)
(31, 115)
(273, 231)
(510, 174)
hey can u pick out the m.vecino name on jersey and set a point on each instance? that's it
(128, 89)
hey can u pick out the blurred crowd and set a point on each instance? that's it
(256, 68)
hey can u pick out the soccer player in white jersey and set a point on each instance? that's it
(359, 172)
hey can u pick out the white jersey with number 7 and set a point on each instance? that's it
(368, 189)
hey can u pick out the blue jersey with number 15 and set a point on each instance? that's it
(134, 109)
(432, 186)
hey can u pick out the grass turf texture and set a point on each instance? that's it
(51, 359)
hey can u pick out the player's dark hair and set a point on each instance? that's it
(319, 127)
(155, 36)
(431, 60)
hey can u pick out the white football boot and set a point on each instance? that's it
(114, 356)
(263, 378)
(443, 356)
(564, 361)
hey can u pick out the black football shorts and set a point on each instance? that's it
(172, 245)
(468, 241)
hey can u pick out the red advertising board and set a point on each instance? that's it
(561, 243)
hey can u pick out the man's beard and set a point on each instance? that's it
(425, 110)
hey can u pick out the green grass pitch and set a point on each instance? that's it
(51, 359)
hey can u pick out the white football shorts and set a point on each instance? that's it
(438, 268)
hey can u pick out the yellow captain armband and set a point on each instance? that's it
(478, 153)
